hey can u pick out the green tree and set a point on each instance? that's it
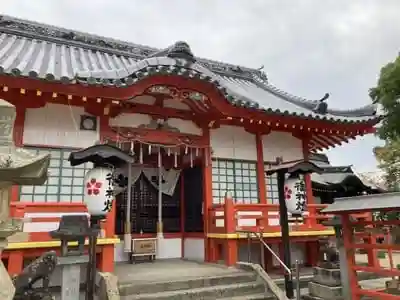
(387, 95)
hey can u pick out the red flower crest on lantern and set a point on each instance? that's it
(93, 187)
(288, 193)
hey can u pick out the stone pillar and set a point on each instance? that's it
(326, 284)
(71, 275)
(8, 227)
(19, 167)
(330, 279)
(73, 228)
(7, 288)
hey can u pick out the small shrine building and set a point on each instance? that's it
(212, 127)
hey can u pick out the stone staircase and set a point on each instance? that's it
(235, 286)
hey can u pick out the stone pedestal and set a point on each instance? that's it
(71, 275)
(7, 288)
(393, 287)
(20, 167)
(325, 285)
(8, 227)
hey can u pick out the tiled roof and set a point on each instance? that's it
(45, 52)
(361, 203)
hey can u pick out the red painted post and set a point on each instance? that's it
(231, 247)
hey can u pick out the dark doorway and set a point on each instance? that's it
(144, 205)
(193, 199)
(144, 209)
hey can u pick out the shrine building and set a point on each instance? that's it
(207, 127)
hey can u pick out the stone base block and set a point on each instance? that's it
(329, 277)
(325, 292)
(7, 288)
(107, 286)
(309, 297)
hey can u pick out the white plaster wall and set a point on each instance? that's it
(119, 254)
(130, 120)
(166, 248)
(282, 144)
(194, 249)
(185, 126)
(232, 142)
(169, 248)
(57, 125)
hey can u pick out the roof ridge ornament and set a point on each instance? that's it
(181, 50)
(322, 106)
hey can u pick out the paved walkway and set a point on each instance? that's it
(384, 263)
(168, 270)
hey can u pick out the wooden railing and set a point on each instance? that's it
(41, 218)
(231, 217)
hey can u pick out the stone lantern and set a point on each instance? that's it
(17, 167)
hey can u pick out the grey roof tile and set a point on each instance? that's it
(362, 203)
(50, 53)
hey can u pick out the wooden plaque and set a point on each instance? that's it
(144, 246)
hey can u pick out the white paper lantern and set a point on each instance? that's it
(99, 191)
(295, 195)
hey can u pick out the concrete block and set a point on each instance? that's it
(107, 286)
(325, 292)
(329, 277)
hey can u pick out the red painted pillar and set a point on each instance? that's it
(371, 253)
(15, 262)
(106, 259)
(213, 250)
(312, 253)
(231, 247)
(260, 169)
(351, 261)
(207, 188)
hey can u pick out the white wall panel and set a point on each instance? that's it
(57, 125)
(233, 142)
(169, 248)
(130, 120)
(282, 144)
(185, 126)
(194, 249)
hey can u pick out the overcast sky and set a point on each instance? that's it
(308, 47)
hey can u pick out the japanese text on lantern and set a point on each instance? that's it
(109, 192)
(300, 195)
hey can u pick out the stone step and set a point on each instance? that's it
(135, 288)
(262, 296)
(205, 293)
(304, 280)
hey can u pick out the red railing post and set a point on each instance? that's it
(230, 228)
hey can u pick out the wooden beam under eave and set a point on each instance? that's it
(28, 100)
(326, 140)
(319, 142)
